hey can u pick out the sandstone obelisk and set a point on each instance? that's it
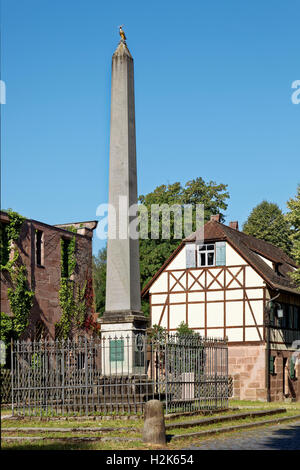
(123, 298)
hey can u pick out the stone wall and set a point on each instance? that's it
(282, 386)
(247, 367)
(45, 280)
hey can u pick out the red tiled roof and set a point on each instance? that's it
(249, 248)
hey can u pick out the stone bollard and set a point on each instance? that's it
(154, 431)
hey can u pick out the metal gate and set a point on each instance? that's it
(119, 373)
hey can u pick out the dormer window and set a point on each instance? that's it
(206, 255)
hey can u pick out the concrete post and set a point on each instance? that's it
(154, 431)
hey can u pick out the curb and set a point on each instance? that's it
(71, 439)
(234, 428)
(62, 430)
(220, 419)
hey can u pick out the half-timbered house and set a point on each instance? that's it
(223, 287)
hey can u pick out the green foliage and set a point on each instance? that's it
(153, 253)
(99, 279)
(36, 361)
(6, 330)
(19, 295)
(73, 304)
(293, 218)
(72, 299)
(67, 304)
(4, 245)
(15, 223)
(157, 332)
(68, 257)
(268, 223)
(184, 330)
(9, 233)
(20, 299)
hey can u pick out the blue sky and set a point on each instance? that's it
(213, 99)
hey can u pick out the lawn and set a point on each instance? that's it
(124, 429)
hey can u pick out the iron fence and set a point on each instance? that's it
(119, 373)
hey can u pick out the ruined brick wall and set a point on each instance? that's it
(45, 280)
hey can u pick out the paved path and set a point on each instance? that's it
(278, 437)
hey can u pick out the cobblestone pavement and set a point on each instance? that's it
(278, 437)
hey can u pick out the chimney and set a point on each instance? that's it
(215, 218)
(234, 225)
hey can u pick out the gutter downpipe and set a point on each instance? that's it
(268, 351)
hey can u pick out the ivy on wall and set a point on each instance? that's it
(19, 295)
(72, 299)
(75, 301)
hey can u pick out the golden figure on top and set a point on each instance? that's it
(121, 32)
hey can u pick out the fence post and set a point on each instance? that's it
(86, 374)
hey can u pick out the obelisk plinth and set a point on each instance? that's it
(123, 313)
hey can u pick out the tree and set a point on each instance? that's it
(267, 222)
(293, 217)
(99, 279)
(154, 252)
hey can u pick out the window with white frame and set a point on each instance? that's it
(206, 255)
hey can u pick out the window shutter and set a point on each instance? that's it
(292, 369)
(272, 364)
(220, 253)
(190, 255)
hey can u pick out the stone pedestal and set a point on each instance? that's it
(123, 341)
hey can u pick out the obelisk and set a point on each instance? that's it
(123, 298)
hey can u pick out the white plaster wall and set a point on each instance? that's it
(156, 313)
(179, 262)
(177, 298)
(232, 257)
(216, 333)
(252, 278)
(215, 314)
(177, 315)
(257, 308)
(267, 261)
(215, 295)
(158, 299)
(177, 286)
(255, 293)
(235, 334)
(196, 315)
(160, 284)
(234, 294)
(251, 334)
(196, 297)
(234, 313)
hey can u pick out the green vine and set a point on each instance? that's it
(10, 233)
(72, 300)
(19, 295)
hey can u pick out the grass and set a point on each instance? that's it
(228, 423)
(133, 429)
(264, 405)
